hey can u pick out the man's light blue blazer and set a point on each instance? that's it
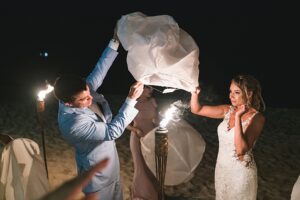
(92, 138)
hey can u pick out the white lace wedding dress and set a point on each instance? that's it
(234, 179)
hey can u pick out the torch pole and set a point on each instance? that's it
(40, 111)
(161, 153)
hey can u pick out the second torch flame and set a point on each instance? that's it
(42, 94)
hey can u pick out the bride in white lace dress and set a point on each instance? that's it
(236, 173)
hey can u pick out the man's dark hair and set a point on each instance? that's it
(67, 86)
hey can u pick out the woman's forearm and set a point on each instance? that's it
(195, 105)
(240, 141)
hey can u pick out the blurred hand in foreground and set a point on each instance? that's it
(71, 189)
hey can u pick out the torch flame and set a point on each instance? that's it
(42, 94)
(174, 112)
(168, 116)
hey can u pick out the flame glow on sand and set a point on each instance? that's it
(42, 93)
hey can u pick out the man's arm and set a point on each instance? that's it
(96, 131)
(104, 63)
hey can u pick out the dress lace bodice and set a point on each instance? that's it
(234, 178)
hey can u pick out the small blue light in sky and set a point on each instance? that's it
(44, 54)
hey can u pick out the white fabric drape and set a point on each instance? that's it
(22, 171)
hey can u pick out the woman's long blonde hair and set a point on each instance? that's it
(247, 84)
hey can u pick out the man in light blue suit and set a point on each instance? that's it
(85, 121)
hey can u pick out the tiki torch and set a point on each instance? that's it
(161, 150)
(40, 110)
(161, 154)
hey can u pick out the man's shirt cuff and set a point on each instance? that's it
(114, 44)
(130, 101)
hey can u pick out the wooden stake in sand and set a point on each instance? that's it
(161, 154)
(40, 112)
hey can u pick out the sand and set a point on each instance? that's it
(276, 151)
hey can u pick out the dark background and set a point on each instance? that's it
(233, 37)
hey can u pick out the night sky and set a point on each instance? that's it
(233, 37)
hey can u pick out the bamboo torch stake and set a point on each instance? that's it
(40, 113)
(161, 154)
